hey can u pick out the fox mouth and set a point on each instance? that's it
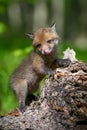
(47, 52)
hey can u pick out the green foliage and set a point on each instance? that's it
(10, 60)
(11, 1)
(80, 54)
(3, 27)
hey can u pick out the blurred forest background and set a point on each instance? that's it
(18, 17)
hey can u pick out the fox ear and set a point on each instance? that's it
(31, 36)
(53, 27)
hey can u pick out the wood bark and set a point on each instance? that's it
(62, 104)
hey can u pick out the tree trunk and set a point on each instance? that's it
(62, 104)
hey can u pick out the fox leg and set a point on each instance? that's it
(21, 92)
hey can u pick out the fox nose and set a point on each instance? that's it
(47, 51)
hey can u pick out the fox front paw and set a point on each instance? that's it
(63, 62)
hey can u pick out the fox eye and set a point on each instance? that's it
(38, 45)
(49, 41)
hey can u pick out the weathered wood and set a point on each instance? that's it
(62, 104)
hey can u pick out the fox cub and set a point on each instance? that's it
(42, 61)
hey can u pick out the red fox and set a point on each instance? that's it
(42, 61)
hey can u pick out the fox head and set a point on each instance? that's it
(45, 40)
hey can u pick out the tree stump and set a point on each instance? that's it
(62, 104)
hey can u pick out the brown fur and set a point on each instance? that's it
(26, 78)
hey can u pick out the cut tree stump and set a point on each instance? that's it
(62, 104)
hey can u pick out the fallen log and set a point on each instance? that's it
(62, 104)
